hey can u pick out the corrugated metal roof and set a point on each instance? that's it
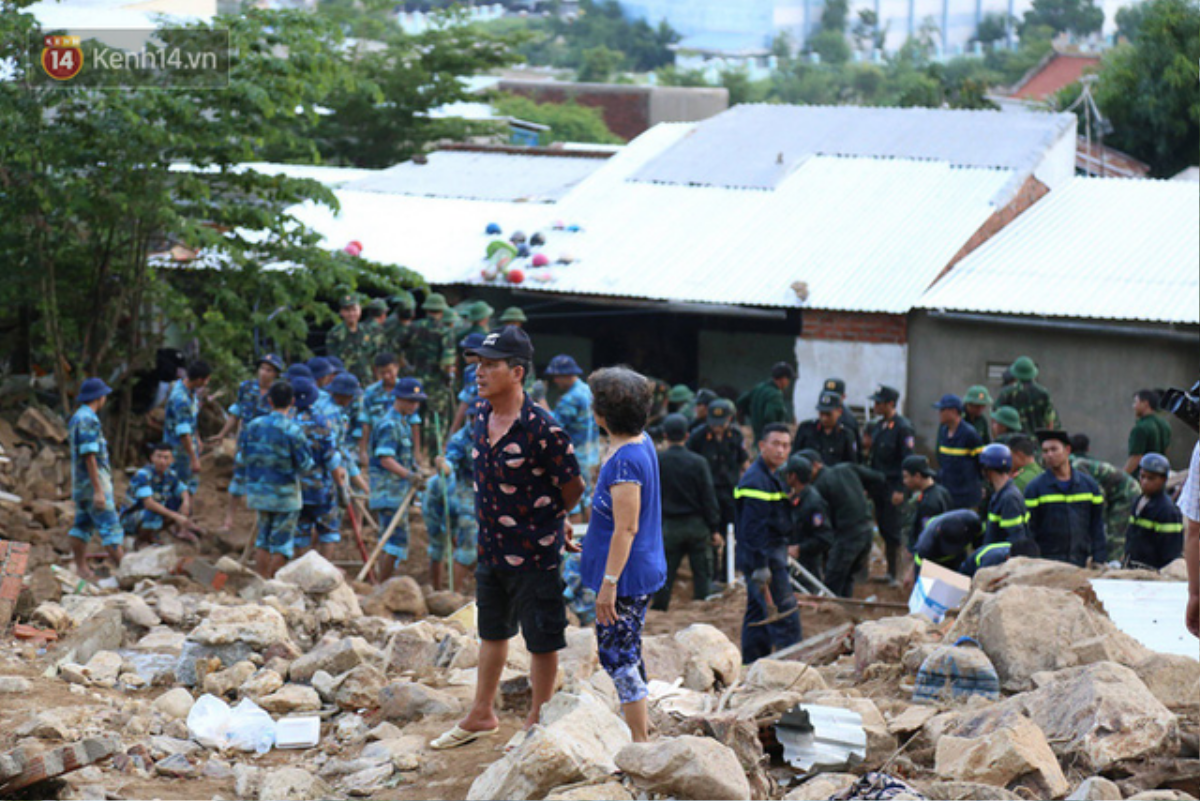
(1098, 248)
(482, 176)
(757, 146)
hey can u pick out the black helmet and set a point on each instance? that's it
(538, 239)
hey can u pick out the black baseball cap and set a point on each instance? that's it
(829, 401)
(507, 343)
(917, 464)
(885, 394)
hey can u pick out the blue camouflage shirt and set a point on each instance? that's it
(250, 405)
(165, 488)
(321, 431)
(275, 456)
(459, 454)
(470, 391)
(86, 437)
(574, 413)
(377, 401)
(392, 436)
(182, 408)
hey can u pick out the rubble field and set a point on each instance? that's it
(187, 676)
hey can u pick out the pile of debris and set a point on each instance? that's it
(35, 481)
(1031, 691)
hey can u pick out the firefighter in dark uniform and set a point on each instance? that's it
(828, 435)
(812, 528)
(1007, 516)
(890, 441)
(722, 445)
(958, 447)
(844, 487)
(1066, 507)
(931, 497)
(1154, 538)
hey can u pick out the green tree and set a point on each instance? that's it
(1079, 17)
(1147, 88)
(569, 122)
(1129, 20)
(598, 64)
(831, 46)
(833, 15)
(992, 28)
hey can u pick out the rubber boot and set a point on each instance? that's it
(892, 552)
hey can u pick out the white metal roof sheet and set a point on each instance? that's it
(758, 146)
(1098, 248)
(482, 176)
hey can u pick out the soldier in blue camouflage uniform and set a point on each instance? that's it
(180, 429)
(250, 405)
(347, 399)
(323, 373)
(393, 470)
(574, 413)
(91, 479)
(156, 494)
(377, 401)
(448, 506)
(320, 517)
(276, 456)
(469, 394)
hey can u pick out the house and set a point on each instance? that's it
(1099, 283)
(1055, 72)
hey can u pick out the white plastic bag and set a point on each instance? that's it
(208, 722)
(250, 728)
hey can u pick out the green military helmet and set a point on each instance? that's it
(377, 305)
(680, 393)
(1008, 417)
(404, 299)
(1023, 369)
(436, 302)
(513, 314)
(479, 311)
(349, 299)
(978, 396)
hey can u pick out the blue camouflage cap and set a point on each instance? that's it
(298, 370)
(320, 367)
(563, 364)
(93, 389)
(345, 384)
(409, 389)
(339, 366)
(305, 390)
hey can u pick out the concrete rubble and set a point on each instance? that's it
(1085, 712)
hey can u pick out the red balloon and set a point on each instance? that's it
(516, 276)
(354, 247)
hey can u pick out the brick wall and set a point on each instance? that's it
(1030, 192)
(854, 326)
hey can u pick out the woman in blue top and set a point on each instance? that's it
(623, 560)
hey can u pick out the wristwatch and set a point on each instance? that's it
(609, 578)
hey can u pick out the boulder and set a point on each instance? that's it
(405, 701)
(15, 685)
(359, 689)
(711, 657)
(763, 705)
(154, 562)
(137, 612)
(339, 607)
(1172, 678)
(256, 626)
(366, 781)
(1096, 788)
(445, 603)
(41, 424)
(294, 784)
(291, 698)
(196, 660)
(821, 786)
(402, 750)
(103, 668)
(399, 595)
(884, 642)
(1013, 754)
(774, 674)
(335, 658)
(414, 648)
(574, 741)
(968, 791)
(263, 683)
(175, 704)
(1101, 715)
(685, 768)
(223, 683)
(161, 640)
(912, 719)
(664, 658)
(312, 573)
(580, 659)
(605, 791)
(1025, 572)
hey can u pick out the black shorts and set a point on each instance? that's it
(531, 598)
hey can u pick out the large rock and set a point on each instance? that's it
(263, 683)
(685, 768)
(414, 648)
(259, 627)
(175, 704)
(711, 657)
(968, 791)
(883, 642)
(154, 562)
(335, 658)
(1025, 572)
(223, 683)
(103, 668)
(1101, 714)
(405, 701)
(1174, 679)
(291, 698)
(360, 688)
(339, 607)
(293, 784)
(774, 674)
(608, 791)
(1027, 629)
(400, 595)
(821, 787)
(1096, 788)
(312, 573)
(196, 659)
(42, 425)
(575, 741)
(137, 612)
(664, 658)
(1012, 753)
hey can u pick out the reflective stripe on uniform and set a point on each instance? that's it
(983, 551)
(1008, 522)
(759, 495)
(959, 451)
(1161, 528)
(1082, 497)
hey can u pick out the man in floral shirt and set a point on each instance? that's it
(526, 478)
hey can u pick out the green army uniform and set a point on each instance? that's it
(378, 307)
(431, 353)
(1030, 399)
(763, 405)
(1150, 434)
(681, 400)
(356, 348)
(979, 396)
(397, 330)
(1010, 418)
(476, 314)
(1120, 490)
(1026, 474)
(513, 315)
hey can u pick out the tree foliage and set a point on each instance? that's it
(569, 122)
(1080, 17)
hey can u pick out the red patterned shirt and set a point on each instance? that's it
(518, 497)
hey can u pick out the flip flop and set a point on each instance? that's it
(458, 736)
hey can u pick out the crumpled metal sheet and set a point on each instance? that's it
(821, 738)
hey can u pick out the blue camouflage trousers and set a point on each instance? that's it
(277, 532)
(462, 522)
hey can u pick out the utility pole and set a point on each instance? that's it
(1092, 119)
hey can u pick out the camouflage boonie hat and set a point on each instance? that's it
(436, 302)
(978, 396)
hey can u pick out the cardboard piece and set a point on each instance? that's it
(937, 591)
